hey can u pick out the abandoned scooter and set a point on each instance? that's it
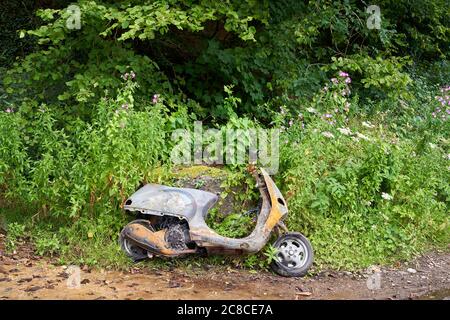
(174, 225)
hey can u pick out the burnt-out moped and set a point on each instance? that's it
(174, 225)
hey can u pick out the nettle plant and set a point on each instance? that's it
(81, 167)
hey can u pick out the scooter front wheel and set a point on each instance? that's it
(294, 255)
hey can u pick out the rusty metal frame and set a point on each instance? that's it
(272, 211)
(152, 241)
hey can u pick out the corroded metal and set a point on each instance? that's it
(152, 241)
(192, 205)
(186, 203)
(272, 210)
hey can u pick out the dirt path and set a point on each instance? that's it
(25, 276)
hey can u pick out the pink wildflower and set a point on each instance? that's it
(155, 98)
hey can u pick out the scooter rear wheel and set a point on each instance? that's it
(294, 256)
(133, 251)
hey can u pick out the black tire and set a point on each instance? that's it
(132, 250)
(299, 258)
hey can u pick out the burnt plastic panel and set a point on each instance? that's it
(157, 199)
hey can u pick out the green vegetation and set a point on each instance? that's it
(86, 116)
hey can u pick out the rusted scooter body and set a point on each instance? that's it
(174, 225)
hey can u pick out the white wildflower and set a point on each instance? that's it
(327, 134)
(367, 124)
(311, 110)
(386, 196)
(361, 136)
(345, 131)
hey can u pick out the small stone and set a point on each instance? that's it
(373, 269)
(411, 270)
(174, 284)
(24, 280)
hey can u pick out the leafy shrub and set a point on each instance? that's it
(47, 243)
(15, 231)
(235, 226)
(363, 195)
(70, 170)
(269, 51)
(382, 77)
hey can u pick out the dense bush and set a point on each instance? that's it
(270, 51)
(364, 197)
(71, 168)
(362, 191)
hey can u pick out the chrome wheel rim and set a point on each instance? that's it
(292, 253)
(133, 250)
